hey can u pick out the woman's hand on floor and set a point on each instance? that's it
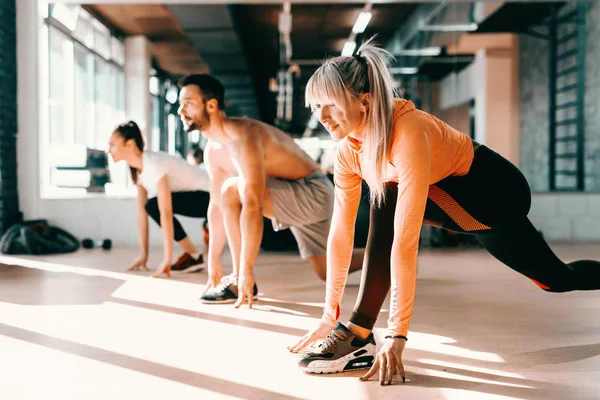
(388, 362)
(163, 268)
(320, 332)
(245, 289)
(214, 278)
(139, 263)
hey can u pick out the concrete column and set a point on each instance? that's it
(493, 82)
(502, 101)
(480, 90)
(137, 89)
(30, 70)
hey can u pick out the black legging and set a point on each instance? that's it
(491, 202)
(189, 204)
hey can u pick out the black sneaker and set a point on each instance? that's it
(187, 263)
(225, 292)
(341, 351)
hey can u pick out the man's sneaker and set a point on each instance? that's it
(341, 351)
(187, 263)
(225, 292)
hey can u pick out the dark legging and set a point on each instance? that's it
(189, 204)
(491, 202)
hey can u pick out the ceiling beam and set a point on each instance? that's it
(405, 34)
(228, 2)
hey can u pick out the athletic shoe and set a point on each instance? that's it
(225, 292)
(340, 352)
(187, 263)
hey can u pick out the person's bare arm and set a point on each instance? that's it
(142, 219)
(142, 224)
(215, 217)
(165, 205)
(248, 157)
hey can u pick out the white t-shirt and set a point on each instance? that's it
(181, 176)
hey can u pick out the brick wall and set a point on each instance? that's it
(561, 216)
(533, 78)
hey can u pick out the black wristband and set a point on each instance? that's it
(396, 337)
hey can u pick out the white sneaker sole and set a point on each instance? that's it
(347, 363)
(228, 301)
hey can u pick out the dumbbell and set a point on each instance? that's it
(87, 243)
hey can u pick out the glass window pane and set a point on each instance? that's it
(119, 172)
(66, 14)
(102, 42)
(86, 92)
(118, 96)
(103, 96)
(110, 102)
(118, 51)
(155, 116)
(84, 31)
(84, 97)
(120, 92)
(60, 88)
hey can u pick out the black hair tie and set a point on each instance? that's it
(359, 58)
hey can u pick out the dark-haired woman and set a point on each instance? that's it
(167, 185)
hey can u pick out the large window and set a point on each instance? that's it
(167, 130)
(61, 96)
(86, 89)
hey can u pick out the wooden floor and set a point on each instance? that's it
(78, 327)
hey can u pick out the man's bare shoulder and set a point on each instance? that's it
(249, 128)
(213, 152)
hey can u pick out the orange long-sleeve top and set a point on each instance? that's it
(424, 151)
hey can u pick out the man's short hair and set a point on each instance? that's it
(210, 87)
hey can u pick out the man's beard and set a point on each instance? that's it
(203, 123)
(189, 128)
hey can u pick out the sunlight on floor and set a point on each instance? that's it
(151, 338)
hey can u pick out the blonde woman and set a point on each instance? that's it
(419, 169)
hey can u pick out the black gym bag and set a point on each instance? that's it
(36, 238)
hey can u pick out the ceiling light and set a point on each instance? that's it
(405, 70)
(450, 28)
(426, 51)
(361, 22)
(348, 49)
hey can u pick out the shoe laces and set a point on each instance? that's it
(226, 281)
(332, 340)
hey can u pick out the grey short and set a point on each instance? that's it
(305, 206)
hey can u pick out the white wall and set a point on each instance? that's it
(567, 217)
(88, 216)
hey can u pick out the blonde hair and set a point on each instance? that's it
(341, 80)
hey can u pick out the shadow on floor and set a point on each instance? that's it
(213, 317)
(557, 355)
(146, 367)
(32, 286)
